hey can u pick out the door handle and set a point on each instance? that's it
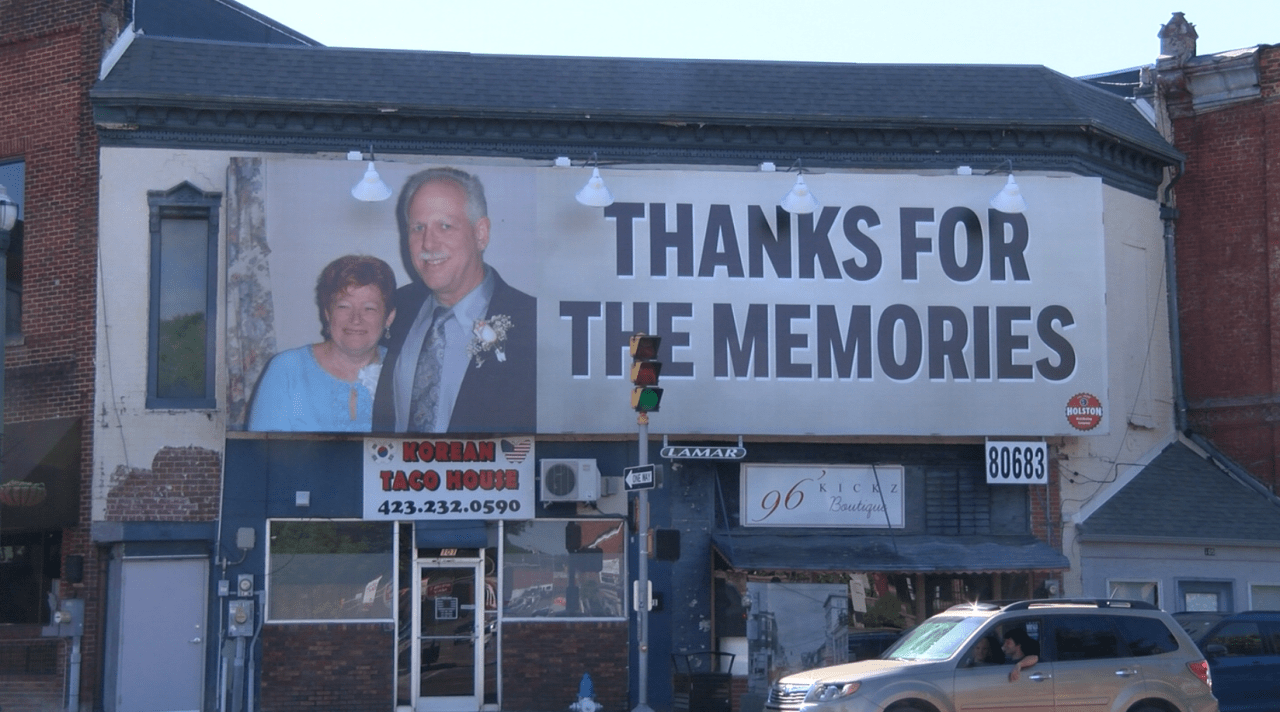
(194, 641)
(1039, 676)
(1126, 672)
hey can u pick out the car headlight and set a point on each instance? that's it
(826, 692)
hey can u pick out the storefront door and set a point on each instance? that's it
(449, 618)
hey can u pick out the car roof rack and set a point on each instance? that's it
(980, 605)
(1096, 602)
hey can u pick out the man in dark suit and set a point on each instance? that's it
(462, 351)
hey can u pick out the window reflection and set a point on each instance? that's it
(327, 570)
(565, 569)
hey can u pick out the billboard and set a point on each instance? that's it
(904, 305)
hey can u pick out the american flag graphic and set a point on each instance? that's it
(516, 451)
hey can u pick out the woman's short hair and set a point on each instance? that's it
(352, 271)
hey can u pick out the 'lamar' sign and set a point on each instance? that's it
(704, 453)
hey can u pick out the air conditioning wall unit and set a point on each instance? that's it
(574, 480)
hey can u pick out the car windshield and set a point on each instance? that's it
(936, 639)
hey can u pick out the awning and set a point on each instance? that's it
(26, 445)
(48, 452)
(823, 550)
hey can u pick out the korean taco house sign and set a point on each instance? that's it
(903, 306)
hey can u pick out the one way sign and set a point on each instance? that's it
(641, 477)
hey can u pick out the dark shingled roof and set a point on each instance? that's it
(1181, 495)
(179, 71)
(212, 20)
(843, 550)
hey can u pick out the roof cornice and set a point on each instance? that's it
(251, 125)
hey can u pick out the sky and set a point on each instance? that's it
(1077, 38)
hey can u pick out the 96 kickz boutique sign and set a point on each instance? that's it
(449, 479)
(845, 496)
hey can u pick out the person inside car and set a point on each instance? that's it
(987, 652)
(1022, 650)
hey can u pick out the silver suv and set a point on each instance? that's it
(1073, 654)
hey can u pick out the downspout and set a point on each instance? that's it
(1169, 215)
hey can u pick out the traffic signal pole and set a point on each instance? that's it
(645, 397)
(642, 574)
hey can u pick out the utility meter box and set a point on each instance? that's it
(68, 620)
(239, 618)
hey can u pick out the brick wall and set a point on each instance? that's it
(1046, 508)
(543, 663)
(181, 486)
(1228, 251)
(32, 670)
(50, 52)
(326, 667)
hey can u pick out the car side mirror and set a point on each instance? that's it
(1215, 650)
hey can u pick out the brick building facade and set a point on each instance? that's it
(51, 53)
(1223, 111)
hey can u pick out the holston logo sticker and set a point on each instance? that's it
(1084, 411)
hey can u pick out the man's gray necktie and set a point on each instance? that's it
(426, 378)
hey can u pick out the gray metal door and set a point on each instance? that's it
(162, 635)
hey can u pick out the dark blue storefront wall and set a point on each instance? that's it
(698, 499)
(262, 478)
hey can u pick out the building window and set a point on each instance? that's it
(322, 570)
(1205, 596)
(1148, 591)
(1264, 597)
(564, 569)
(184, 263)
(13, 178)
(28, 565)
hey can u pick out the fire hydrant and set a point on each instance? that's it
(586, 697)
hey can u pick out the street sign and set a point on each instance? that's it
(704, 453)
(641, 477)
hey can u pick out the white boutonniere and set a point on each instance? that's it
(368, 376)
(489, 335)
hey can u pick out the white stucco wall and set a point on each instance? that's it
(1093, 468)
(1166, 564)
(127, 435)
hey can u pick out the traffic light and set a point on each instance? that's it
(645, 367)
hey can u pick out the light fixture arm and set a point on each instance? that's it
(594, 194)
(371, 188)
(1009, 199)
(1001, 166)
(799, 200)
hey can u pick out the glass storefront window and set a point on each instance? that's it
(565, 569)
(1148, 591)
(330, 570)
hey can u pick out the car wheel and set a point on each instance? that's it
(1146, 708)
(909, 707)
